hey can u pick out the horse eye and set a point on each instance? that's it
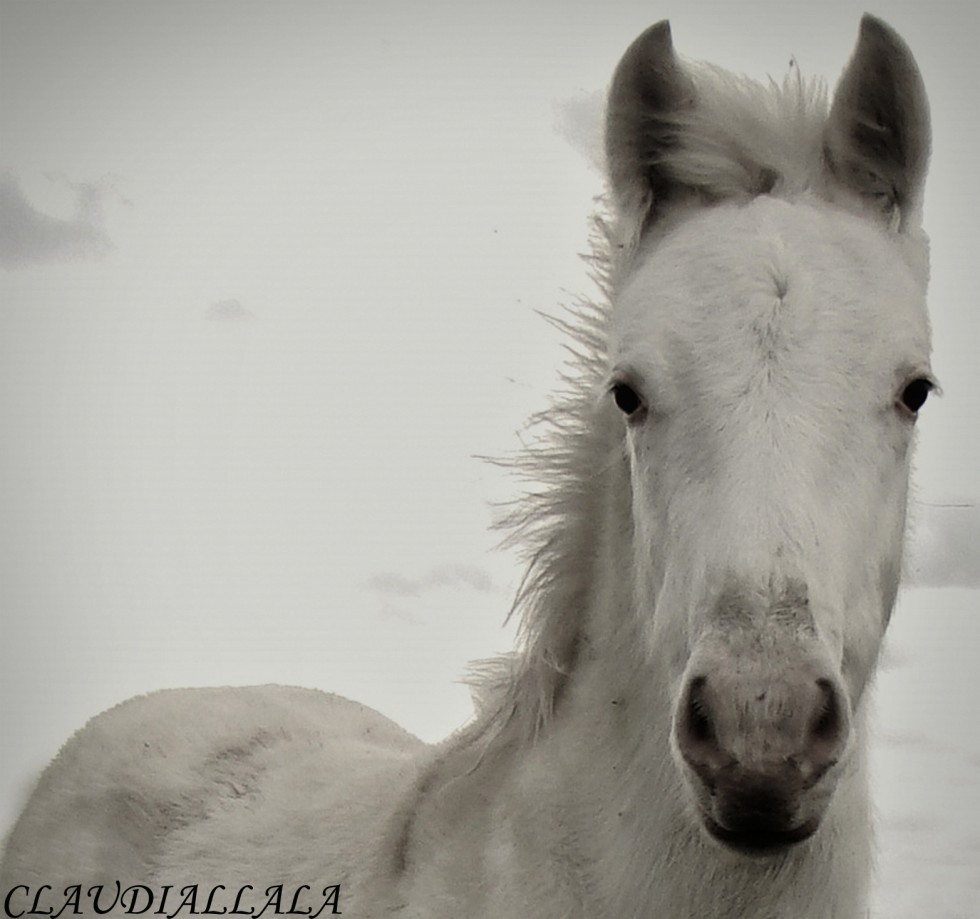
(626, 398)
(914, 395)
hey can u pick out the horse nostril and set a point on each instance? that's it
(826, 726)
(699, 724)
(696, 732)
(826, 732)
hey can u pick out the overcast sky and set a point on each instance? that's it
(268, 282)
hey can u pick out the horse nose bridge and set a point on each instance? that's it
(778, 604)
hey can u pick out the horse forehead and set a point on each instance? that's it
(766, 272)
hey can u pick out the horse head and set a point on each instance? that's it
(769, 354)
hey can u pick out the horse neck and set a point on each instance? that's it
(576, 600)
(583, 701)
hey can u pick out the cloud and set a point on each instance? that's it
(228, 311)
(465, 576)
(945, 548)
(29, 237)
(578, 119)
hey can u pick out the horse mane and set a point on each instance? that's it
(743, 138)
(549, 524)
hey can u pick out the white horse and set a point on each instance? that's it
(713, 556)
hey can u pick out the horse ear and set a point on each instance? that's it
(649, 90)
(877, 137)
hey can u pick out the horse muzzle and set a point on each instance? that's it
(761, 753)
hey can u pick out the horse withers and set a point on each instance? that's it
(713, 555)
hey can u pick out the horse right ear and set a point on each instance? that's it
(877, 138)
(649, 91)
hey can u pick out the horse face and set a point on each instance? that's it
(770, 353)
(769, 358)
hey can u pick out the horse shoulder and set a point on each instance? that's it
(159, 781)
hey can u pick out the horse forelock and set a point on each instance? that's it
(737, 139)
(744, 138)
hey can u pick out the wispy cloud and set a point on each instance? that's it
(30, 237)
(459, 576)
(945, 550)
(228, 311)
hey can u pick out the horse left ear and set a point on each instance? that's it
(878, 136)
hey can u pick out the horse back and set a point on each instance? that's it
(217, 785)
